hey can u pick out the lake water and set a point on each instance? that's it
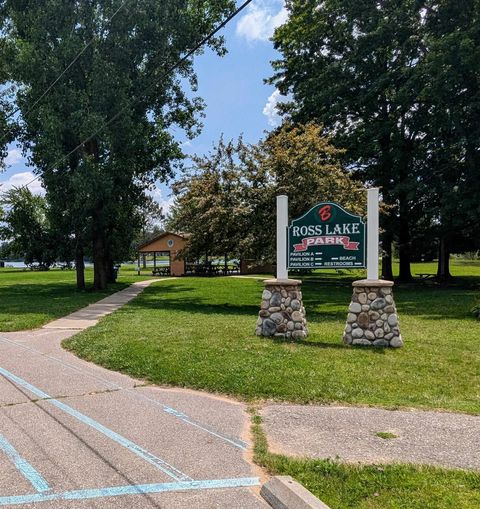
(21, 265)
(17, 265)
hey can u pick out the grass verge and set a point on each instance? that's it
(344, 486)
(199, 333)
(29, 299)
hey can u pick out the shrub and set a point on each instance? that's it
(476, 311)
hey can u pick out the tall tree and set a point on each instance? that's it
(301, 162)
(7, 132)
(210, 203)
(228, 203)
(353, 67)
(116, 104)
(452, 88)
(25, 226)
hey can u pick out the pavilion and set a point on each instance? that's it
(164, 251)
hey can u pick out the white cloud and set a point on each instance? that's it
(261, 19)
(165, 202)
(270, 109)
(20, 180)
(14, 156)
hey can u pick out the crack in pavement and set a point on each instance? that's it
(65, 396)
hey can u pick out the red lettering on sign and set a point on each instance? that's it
(325, 212)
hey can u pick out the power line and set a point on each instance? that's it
(60, 76)
(165, 73)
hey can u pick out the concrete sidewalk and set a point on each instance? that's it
(350, 434)
(73, 434)
(89, 316)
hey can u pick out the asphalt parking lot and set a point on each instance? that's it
(73, 434)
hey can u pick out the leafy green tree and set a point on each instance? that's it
(353, 67)
(228, 203)
(117, 104)
(7, 133)
(25, 226)
(210, 203)
(302, 163)
(452, 88)
(397, 84)
(151, 217)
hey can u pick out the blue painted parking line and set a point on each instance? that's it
(236, 442)
(138, 489)
(23, 466)
(157, 462)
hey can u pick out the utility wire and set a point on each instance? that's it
(165, 73)
(60, 76)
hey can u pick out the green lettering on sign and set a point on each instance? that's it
(327, 236)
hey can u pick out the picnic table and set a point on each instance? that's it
(161, 271)
(66, 266)
(39, 267)
(211, 269)
(426, 275)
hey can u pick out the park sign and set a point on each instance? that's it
(327, 236)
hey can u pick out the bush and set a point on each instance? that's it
(476, 311)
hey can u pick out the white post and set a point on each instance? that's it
(282, 224)
(372, 234)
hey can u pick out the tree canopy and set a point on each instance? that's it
(102, 135)
(24, 224)
(396, 85)
(227, 201)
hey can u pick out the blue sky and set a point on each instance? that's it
(237, 100)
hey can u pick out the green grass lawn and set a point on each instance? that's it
(344, 486)
(198, 333)
(29, 299)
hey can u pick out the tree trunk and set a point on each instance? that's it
(404, 240)
(100, 275)
(404, 256)
(80, 267)
(387, 269)
(100, 279)
(99, 245)
(226, 264)
(111, 275)
(443, 269)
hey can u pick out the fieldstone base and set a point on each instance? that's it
(372, 316)
(282, 312)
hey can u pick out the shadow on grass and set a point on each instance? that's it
(50, 298)
(167, 298)
(327, 346)
(430, 303)
(195, 306)
(305, 342)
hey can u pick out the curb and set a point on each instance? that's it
(283, 492)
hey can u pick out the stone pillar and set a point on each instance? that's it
(282, 313)
(372, 316)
